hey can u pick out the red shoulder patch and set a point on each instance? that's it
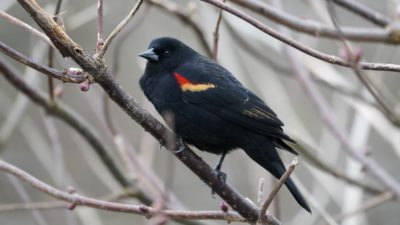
(181, 79)
(186, 85)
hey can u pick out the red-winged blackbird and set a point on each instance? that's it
(211, 109)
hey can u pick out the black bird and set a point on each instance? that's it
(211, 109)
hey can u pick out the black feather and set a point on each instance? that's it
(212, 110)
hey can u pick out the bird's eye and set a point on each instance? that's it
(166, 53)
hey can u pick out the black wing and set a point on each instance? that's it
(231, 101)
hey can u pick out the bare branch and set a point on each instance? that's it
(354, 63)
(26, 27)
(261, 218)
(100, 25)
(61, 204)
(308, 153)
(295, 44)
(330, 120)
(320, 30)
(369, 14)
(64, 76)
(32, 205)
(120, 26)
(216, 34)
(75, 121)
(260, 192)
(370, 204)
(51, 52)
(284, 71)
(146, 211)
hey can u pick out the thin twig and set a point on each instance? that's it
(262, 218)
(260, 192)
(354, 63)
(117, 29)
(281, 68)
(51, 52)
(64, 76)
(59, 204)
(368, 205)
(146, 211)
(132, 161)
(100, 25)
(362, 10)
(50, 82)
(317, 29)
(26, 27)
(309, 153)
(64, 113)
(32, 205)
(216, 34)
(297, 45)
(116, 61)
(25, 197)
(67, 115)
(330, 119)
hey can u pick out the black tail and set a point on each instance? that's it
(268, 158)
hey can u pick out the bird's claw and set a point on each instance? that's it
(222, 177)
(181, 146)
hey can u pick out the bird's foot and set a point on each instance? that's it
(222, 177)
(181, 146)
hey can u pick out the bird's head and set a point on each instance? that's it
(167, 53)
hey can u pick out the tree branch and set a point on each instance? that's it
(117, 29)
(143, 210)
(354, 62)
(367, 205)
(65, 45)
(216, 35)
(67, 115)
(365, 12)
(317, 29)
(274, 192)
(64, 76)
(306, 151)
(375, 169)
(297, 45)
(100, 25)
(26, 27)
(50, 57)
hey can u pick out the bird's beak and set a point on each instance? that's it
(149, 55)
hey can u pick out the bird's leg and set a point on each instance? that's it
(221, 174)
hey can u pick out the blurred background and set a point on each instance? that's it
(55, 153)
